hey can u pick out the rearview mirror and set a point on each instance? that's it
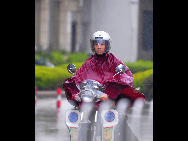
(71, 68)
(120, 69)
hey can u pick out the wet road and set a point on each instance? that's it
(50, 120)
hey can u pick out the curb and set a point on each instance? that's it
(49, 93)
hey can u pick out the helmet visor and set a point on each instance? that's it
(99, 41)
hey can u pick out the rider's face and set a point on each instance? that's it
(99, 48)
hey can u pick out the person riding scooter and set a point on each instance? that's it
(101, 67)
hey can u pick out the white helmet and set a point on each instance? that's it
(101, 36)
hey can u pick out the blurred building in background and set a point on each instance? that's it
(67, 25)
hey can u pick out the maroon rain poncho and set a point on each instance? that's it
(102, 68)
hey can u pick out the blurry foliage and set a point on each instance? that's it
(77, 57)
(59, 57)
(56, 57)
(47, 78)
(144, 80)
(140, 65)
(37, 56)
(139, 78)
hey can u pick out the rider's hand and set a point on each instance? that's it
(76, 97)
(104, 96)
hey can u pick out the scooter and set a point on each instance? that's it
(87, 122)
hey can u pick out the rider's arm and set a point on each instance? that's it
(125, 79)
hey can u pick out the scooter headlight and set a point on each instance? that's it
(87, 96)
